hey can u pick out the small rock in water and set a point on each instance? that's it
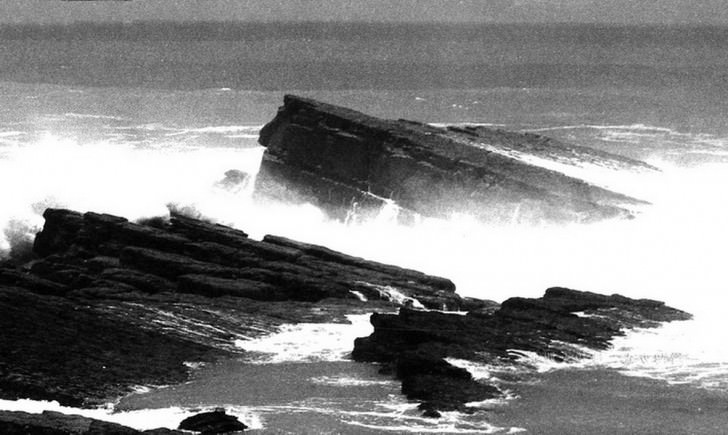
(213, 422)
(235, 180)
(431, 413)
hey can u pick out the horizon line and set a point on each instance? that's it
(363, 22)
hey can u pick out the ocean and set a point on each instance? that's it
(131, 119)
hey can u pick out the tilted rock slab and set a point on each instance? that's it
(346, 161)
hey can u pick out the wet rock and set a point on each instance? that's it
(98, 249)
(212, 286)
(19, 278)
(347, 161)
(415, 343)
(235, 180)
(55, 423)
(57, 349)
(438, 384)
(108, 304)
(213, 422)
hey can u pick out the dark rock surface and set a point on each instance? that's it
(55, 423)
(347, 161)
(212, 422)
(415, 343)
(108, 304)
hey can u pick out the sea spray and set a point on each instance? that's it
(672, 250)
(673, 246)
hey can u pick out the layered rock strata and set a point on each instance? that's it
(559, 325)
(108, 304)
(346, 161)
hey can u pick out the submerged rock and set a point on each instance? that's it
(344, 160)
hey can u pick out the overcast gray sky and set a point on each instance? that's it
(602, 11)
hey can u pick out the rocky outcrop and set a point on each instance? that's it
(108, 304)
(213, 422)
(60, 349)
(346, 161)
(55, 423)
(415, 343)
(96, 253)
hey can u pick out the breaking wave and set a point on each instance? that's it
(673, 251)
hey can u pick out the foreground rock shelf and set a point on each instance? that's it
(102, 305)
(344, 160)
(56, 423)
(123, 304)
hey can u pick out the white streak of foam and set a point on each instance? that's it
(91, 116)
(538, 362)
(222, 129)
(394, 295)
(478, 371)
(639, 127)
(346, 381)
(439, 428)
(447, 423)
(12, 133)
(308, 342)
(359, 295)
(603, 173)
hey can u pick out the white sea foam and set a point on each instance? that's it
(674, 245)
(465, 124)
(677, 352)
(637, 127)
(92, 116)
(394, 414)
(241, 130)
(4, 134)
(346, 381)
(359, 295)
(600, 173)
(58, 172)
(672, 251)
(394, 295)
(309, 341)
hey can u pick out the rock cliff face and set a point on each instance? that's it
(343, 160)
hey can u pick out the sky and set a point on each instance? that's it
(502, 11)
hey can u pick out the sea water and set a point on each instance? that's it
(139, 122)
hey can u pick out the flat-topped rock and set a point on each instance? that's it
(346, 161)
